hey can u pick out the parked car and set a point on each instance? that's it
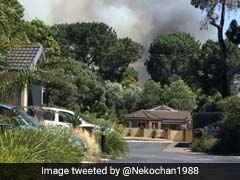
(20, 119)
(23, 120)
(211, 129)
(56, 117)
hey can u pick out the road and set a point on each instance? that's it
(153, 152)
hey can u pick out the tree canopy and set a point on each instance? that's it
(97, 45)
(208, 67)
(178, 95)
(170, 55)
(152, 94)
(215, 15)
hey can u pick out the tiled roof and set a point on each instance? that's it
(164, 107)
(159, 115)
(25, 57)
(143, 114)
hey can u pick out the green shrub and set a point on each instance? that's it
(154, 133)
(116, 146)
(229, 136)
(129, 133)
(204, 144)
(38, 146)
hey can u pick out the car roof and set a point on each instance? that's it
(8, 106)
(58, 110)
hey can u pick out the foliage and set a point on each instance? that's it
(152, 94)
(122, 99)
(130, 71)
(99, 121)
(38, 32)
(116, 146)
(229, 136)
(93, 153)
(233, 32)
(128, 81)
(154, 133)
(170, 55)
(97, 45)
(129, 132)
(38, 146)
(204, 144)
(208, 67)
(11, 14)
(178, 95)
(77, 86)
(215, 11)
(12, 83)
(208, 103)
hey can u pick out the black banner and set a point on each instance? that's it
(112, 171)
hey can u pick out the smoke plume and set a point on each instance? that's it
(141, 20)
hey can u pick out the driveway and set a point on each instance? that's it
(153, 152)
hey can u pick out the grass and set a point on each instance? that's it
(116, 146)
(38, 146)
(204, 144)
(93, 153)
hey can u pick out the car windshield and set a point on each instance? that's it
(31, 121)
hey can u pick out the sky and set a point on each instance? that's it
(141, 20)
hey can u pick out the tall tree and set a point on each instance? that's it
(208, 68)
(152, 95)
(172, 55)
(97, 45)
(216, 17)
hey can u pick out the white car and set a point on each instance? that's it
(56, 117)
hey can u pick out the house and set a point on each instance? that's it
(169, 123)
(27, 58)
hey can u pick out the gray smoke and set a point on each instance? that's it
(141, 20)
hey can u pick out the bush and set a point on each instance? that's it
(129, 133)
(38, 146)
(116, 146)
(204, 144)
(154, 133)
(229, 136)
(93, 153)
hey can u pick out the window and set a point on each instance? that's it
(142, 124)
(154, 125)
(65, 117)
(49, 115)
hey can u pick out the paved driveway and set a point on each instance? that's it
(153, 152)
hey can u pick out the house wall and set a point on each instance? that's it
(164, 130)
(24, 97)
(177, 135)
(138, 132)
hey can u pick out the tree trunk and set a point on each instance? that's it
(224, 73)
(225, 79)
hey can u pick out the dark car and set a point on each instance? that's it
(211, 129)
(17, 117)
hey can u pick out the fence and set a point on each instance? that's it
(203, 119)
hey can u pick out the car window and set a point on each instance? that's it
(49, 115)
(65, 117)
